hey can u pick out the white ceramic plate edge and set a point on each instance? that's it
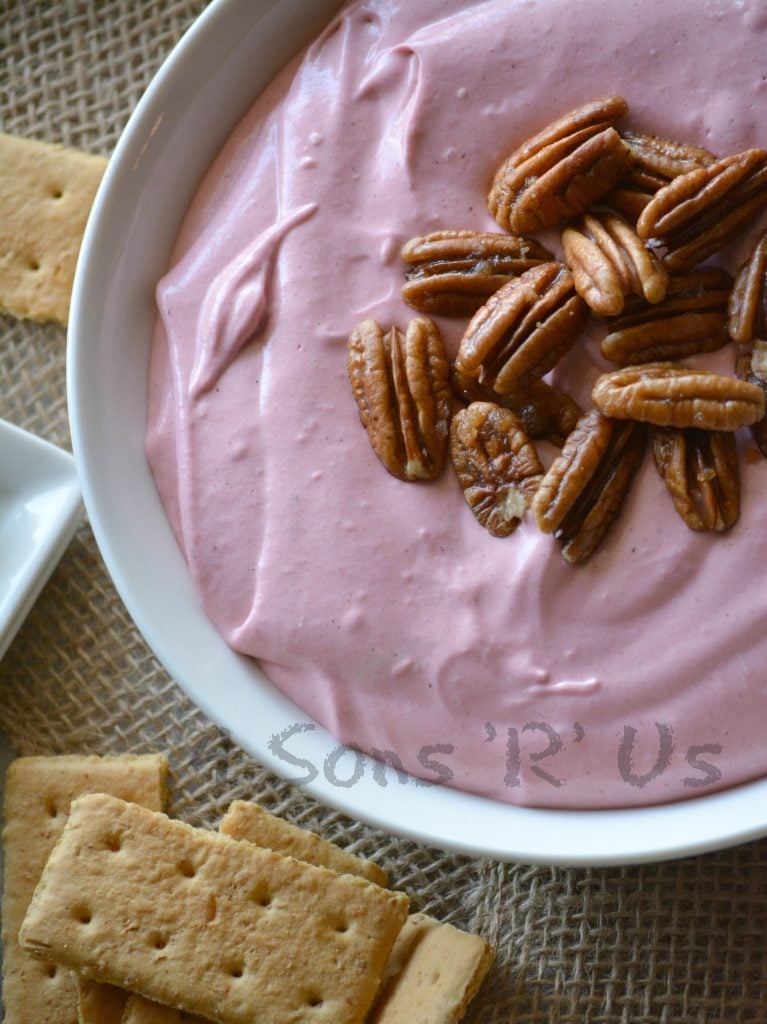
(50, 468)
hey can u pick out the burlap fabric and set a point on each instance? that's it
(682, 942)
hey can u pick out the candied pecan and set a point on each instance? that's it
(496, 465)
(633, 192)
(582, 493)
(402, 389)
(671, 395)
(609, 261)
(562, 170)
(547, 413)
(702, 211)
(665, 158)
(700, 470)
(655, 163)
(523, 329)
(752, 367)
(452, 273)
(691, 319)
(748, 300)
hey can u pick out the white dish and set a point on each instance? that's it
(232, 51)
(40, 508)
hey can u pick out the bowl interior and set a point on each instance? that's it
(230, 54)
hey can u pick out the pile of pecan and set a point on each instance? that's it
(638, 214)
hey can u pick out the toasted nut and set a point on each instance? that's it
(582, 493)
(452, 273)
(701, 212)
(562, 170)
(523, 329)
(655, 163)
(402, 389)
(748, 300)
(700, 470)
(633, 192)
(665, 157)
(671, 395)
(752, 367)
(547, 413)
(609, 261)
(691, 319)
(496, 465)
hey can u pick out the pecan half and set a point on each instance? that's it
(402, 389)
(547, 413)
(582, 493)
(671, 395)
(748, 300)
(702, 211)
(496, 465)
(752, 368)
(562, 170)
(700, 470)
(633, 192)
(665, 157)
(691, 319)
(610, 261)
(523, 329)
(655, 163)
(452, 273)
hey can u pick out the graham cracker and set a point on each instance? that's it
(249, 822)
(252, 823)
(433, 973)
(38, 794)
(99, 1004)
(46, 193)
(216, 927)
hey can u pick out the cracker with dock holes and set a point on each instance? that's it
(250, 823)
(38, 794)
(207, 924)
(46, 193)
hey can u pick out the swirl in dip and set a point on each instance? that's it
(382, 608)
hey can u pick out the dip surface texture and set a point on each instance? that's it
(382, 608)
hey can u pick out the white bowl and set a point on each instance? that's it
(205, 86)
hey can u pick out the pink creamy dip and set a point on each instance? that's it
(382, 608)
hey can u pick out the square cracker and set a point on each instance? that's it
(252, 823)
(46, 193)
(433, 973)
(207, 924)
(38, 794)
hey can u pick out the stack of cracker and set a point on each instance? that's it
(38, 795)
(150, 921)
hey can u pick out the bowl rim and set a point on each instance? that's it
(436, 816)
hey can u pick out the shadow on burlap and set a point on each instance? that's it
(680, 942)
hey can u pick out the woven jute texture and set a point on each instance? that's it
(682, 942)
